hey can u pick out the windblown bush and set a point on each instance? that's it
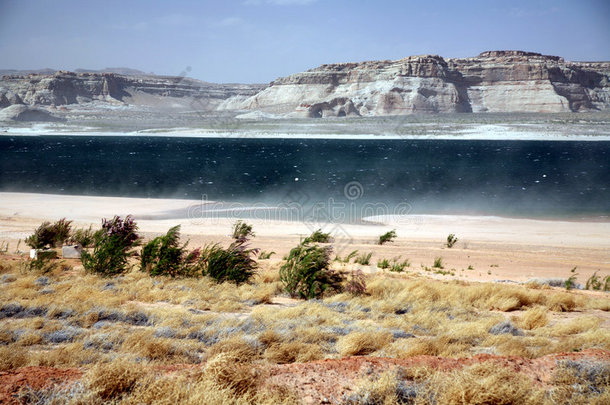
(451, 240)
(235, 263)
(318, 237)
(164, 256)
(112, 247)
(83, 237)
(306, 273)
(242, 230)
(387, 237)
(50, 235)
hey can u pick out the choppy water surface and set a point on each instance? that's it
(512, 178)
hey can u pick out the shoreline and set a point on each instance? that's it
(477, 133)
(488, 248)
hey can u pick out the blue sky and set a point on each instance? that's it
(259, 40)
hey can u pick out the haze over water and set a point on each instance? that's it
(536, 179)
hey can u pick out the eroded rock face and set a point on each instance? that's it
(61, 88)
(23, 113)
(494, 81)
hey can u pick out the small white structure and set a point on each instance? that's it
(71, 251)
(43, 253)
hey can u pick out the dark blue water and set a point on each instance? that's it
(510, 178)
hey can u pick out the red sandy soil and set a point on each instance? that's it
(328, 381)
(11, 382)
(318, 382)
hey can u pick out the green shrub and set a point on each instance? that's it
(347, 258)
(398, 266)
(163, 256)
(383, 264)
(451, 240)
(387, 237)
(50, 235)
(242, 230)
(438, 263)
(44, 263)
(234, 264)
(571, 281)
(595, 283)
(83, 237)
(263, 255)
(318, 237)
(112, 247)
(306, 273)
(364, 258)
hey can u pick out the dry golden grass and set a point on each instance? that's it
(363, 343)
(11, 359)
(448, 318)
(291, 352)
(484, 383)
(219, 385)
(380, 390)
(436, 346)
(533, 318)
(113, 380)
(235, 347)
(230, 371)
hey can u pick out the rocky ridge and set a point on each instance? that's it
(494, 81)
(63, 87)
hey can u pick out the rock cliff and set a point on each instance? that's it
(61, 88)
(495, 81)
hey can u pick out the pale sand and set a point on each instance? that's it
(497, 248)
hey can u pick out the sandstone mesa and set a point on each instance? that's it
(494, 81)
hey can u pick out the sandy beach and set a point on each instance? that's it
(494, 248)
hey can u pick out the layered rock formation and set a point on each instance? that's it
(496, 81)
(61, 88)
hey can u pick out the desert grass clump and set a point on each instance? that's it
(112, 247)
(347, 258)
(596, 283)
(318, 237)
(49, 235)
(533, 318)
(164, 256)
(387, 237)
(383, 264)
(291, 352)
(234, 264)
(451, 240)
(242, 230)
(363, 343)
(484, 383)
(232, 372)
(11, 359)
(397, 266)
(112, 381)
(385, 389)
(264, 255)
(438, 263)
(364, 258)
(306, 273)
(582, 381)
